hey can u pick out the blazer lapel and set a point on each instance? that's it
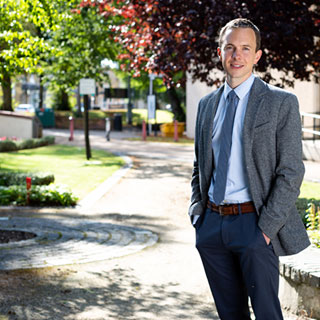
(257, 92)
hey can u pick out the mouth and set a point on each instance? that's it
(236, 66)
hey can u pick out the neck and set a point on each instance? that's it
(235, 82)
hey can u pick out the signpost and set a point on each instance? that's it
(151, 102)
(151, 106)
(87, 87)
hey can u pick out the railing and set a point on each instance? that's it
(315, 126)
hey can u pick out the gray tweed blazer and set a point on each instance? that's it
(273, 159)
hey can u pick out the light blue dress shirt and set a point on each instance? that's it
(237, 188)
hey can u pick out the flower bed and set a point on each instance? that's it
(42, 192)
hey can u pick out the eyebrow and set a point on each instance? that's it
(241, 45)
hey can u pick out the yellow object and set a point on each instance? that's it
(167, 129)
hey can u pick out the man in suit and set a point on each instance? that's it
(246, 178)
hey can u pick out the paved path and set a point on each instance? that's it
(66, 241)
(164, 282)
(150, 149)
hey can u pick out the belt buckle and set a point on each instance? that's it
(220, 211)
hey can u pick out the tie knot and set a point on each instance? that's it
(232, 95)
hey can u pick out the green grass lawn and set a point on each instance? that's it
(68, 164)
(310, 190)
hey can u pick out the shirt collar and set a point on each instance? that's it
(241, 90)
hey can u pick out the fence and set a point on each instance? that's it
(310, 126)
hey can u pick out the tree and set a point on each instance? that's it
(20, 49)
(81, 42)
(44, 16)
(175, 37)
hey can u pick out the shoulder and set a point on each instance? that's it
(273, 92)
(211, 96)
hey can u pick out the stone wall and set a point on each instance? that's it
(300, 283)
(20, 126)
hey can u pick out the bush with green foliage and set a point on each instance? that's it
(19, 178)
(310, 215)
(13, 190)
(10, 145)
(303, 205)
(313, 224)
(38, 196)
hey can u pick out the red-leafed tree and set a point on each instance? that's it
(173, 37)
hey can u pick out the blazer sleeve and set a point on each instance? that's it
(195, 181)
(289, 169)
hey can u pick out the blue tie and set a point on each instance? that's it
(225, 149)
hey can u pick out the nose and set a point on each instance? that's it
(235, 53)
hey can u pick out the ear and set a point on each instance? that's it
(219, 52)
(257, 56)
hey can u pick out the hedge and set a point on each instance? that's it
(19, 178)
(38, 196)
(12, 145)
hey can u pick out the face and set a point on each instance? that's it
(238, 54)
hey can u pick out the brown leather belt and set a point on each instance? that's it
(232, 209)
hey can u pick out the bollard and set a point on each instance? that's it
(71, 128)
(144, 131)
(108, 129)
(176, 136)
(28, 182)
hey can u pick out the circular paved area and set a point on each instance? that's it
(62, 242)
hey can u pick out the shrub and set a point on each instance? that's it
(9, 145)
(303, 204)
(38, 196)
(27, 144)
(48, 140)
(35, 143)
(313, 224)
(310, 215)
(18, 178)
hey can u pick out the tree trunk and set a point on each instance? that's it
(41, 92)
(175, 102)
(79, 112)
(64, 100)
(7, 93)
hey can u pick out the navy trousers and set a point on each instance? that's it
(239, 264)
